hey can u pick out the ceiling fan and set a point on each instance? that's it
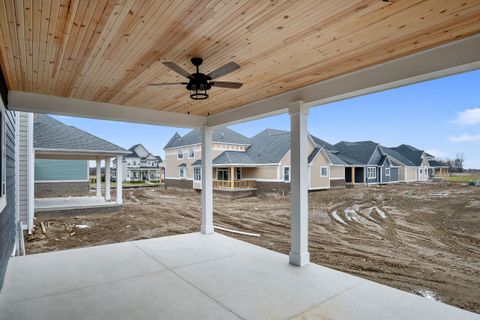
(199, 83)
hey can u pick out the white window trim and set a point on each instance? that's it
(3, 186)
(289, 174)
(180, 170)
(195, 174)
(387, 172)
(321, 168)
(189, 149)
(371, 173)
(241, 173)
(180, 152)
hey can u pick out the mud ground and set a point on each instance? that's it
(421, 238)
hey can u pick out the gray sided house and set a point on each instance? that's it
(367, 163)
(8, 190)
(419, 159)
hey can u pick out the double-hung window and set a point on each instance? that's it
(191, 153)
(323, 171)
(371, 173)
(387, 172)
(197, 174)
(238, 173)
(286, 174)
(180, 154)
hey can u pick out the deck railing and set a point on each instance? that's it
(237, 184)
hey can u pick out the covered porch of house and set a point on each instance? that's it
(103, 196)
(195, 276)
(291, 57)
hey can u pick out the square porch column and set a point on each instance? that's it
(299, 255)
(108, 196)
(119, 181)
(99, 178)
(207, 181)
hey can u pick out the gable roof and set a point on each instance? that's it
(49, 133)
(437, 164)
(269, 146)
(411, 153)
(356, 152)
(322, 143)
(221, 134)
(399, 157)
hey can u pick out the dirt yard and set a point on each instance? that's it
(421, 238)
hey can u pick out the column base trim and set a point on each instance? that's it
(206, 229)
(299, 260)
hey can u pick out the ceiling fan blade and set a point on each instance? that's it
(226, 69)
(167, 83)
(177, 69)
(226, 84)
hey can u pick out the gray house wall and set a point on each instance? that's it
(7, 216)
(23, 164)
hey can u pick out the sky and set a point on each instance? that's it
(440, 116)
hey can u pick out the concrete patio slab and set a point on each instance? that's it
(160, 295)
(196, 276)
(371, 300)
(71, 203)
(43, 274)
(176, 251)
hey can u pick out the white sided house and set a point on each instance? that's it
(260, 163)
(140, 165)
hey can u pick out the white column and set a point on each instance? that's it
(108, 197)
(119, 179)
(299, 255)
(99, 178)
(207, 183)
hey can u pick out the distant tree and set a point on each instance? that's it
(458, 162)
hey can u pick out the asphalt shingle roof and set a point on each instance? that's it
(411, 153)
(233, 157)
(50, 133)
(436, 163)
(269, 146)
(222, 134)
(399, 157)
(356, 152)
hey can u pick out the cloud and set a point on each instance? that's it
(466, 137)
(468, 117)
(437, 153)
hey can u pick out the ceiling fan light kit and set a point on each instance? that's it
(199, 83)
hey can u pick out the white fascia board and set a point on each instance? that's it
(41, 103)
(454, 57)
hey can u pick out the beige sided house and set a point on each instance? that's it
(260, 163)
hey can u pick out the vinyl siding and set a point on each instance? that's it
(337, 172)
(61, 170)
(261, 173)
(7, 216)
(316, 180)
(411, 174)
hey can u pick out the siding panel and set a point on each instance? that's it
(7, 216)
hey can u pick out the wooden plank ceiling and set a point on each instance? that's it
(109, 51)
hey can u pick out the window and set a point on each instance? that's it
(197, 174)
(181, 172)
(3, 158)
(387, 172)
(323, 171)
(421, 171)
(180, 154)
(222, 174)
(238, 173)
(191, 153)
(371, 173)
(286, 174)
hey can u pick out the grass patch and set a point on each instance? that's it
(463, 178)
